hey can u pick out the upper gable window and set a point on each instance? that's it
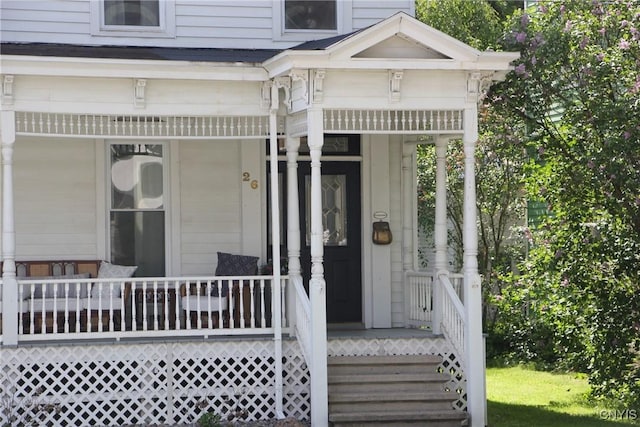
(310, 15)
(143, 13)
(133, 18)
(304, 20)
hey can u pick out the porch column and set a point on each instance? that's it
(409, 189)
(275, 248)
(293, 228)
(9, 283)
(474, 355)
(440, 231)
(293, 207)
(317, 284)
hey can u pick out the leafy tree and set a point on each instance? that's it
(577, 89)
(499, 154)
(474, 22)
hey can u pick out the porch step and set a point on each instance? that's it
(399, 419)
(390, 391)
(384, 364)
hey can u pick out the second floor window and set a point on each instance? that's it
(310, 15)
(133, 18)
(142, 13)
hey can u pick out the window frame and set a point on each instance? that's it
(165, 29)
(344, 24)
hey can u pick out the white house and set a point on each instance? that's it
(195, 141)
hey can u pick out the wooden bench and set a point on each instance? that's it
(61, 269)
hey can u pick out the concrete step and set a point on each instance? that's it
(387, 383)
(390, 391)
(408, 402)
(425, 418)
(345, 365)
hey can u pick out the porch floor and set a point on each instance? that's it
(353, 332)
(334, 332)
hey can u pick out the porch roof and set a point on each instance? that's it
(256, 56)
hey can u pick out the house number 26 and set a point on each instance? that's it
(246, 177)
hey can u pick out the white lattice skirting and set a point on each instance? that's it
(148, 384)
(451, 362)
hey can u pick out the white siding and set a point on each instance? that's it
(51, 221)
(396, 215)
(368, 12)
(1, 207)
(246, 24)
(210, 203)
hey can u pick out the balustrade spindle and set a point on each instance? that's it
(78, 287)
(176, 290)
(262, 303)
(143, 297)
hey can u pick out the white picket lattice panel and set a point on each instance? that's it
(149, 384)
(134, 126)
(452, 363)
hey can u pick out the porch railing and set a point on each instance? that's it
(452, 322)
(420, 300)
(147, 307)
(303, 317)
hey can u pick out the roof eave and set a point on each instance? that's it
(128, 68)
(288, 60)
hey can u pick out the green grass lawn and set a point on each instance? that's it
(523, 397)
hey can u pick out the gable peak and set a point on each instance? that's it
(400, 46)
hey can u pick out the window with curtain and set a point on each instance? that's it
(137, 207)
(310, 15)
(140, 13)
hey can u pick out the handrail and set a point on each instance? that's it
(303, 317)
(453, 314)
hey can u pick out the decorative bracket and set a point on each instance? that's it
(7, 90)
(478, 85)
(318, 85)
(139, 100)
(298, 75)
(395, 77)
(284, 82)
(265, 94)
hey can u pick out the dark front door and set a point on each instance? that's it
(342, 236)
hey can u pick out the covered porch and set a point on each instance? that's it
(63, 310)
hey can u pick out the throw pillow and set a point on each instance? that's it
(108, 270)
(236, 265)
(114, 271)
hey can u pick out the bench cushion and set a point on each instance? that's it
(48, 290)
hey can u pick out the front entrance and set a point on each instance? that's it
(341, 200)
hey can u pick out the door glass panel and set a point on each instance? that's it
(334, 209)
